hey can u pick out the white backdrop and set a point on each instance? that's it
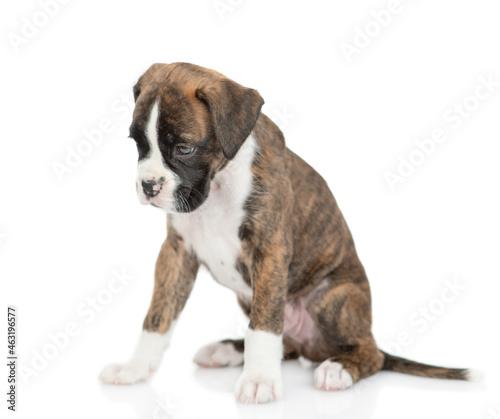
(395, 103)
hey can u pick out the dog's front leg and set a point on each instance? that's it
(175, 273)
(261, 380)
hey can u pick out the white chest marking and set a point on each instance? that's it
(211, 231)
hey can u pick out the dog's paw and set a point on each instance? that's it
(130, 373)
(332, 376)
(258, 389)
(219, 354)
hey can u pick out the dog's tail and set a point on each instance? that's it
(405, 366)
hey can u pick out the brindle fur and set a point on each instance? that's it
(175, 272)
(295, 241)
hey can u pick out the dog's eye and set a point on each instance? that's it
(184, 149)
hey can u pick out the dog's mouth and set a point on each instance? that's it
(157, 201)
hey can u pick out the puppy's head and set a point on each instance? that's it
(188, 123)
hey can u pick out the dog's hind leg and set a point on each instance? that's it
(226, 353)
(342, 315)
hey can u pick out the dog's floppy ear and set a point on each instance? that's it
(234, 110)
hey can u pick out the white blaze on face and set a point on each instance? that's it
(153, 168)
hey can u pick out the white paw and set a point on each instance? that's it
(332, 376)
(218, 354)
(130, 373)
(258, 389)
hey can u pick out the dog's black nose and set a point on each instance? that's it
(151, 187)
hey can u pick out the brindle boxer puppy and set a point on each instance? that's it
(264, 223)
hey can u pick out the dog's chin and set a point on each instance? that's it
(169, 205)
(158, 201)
